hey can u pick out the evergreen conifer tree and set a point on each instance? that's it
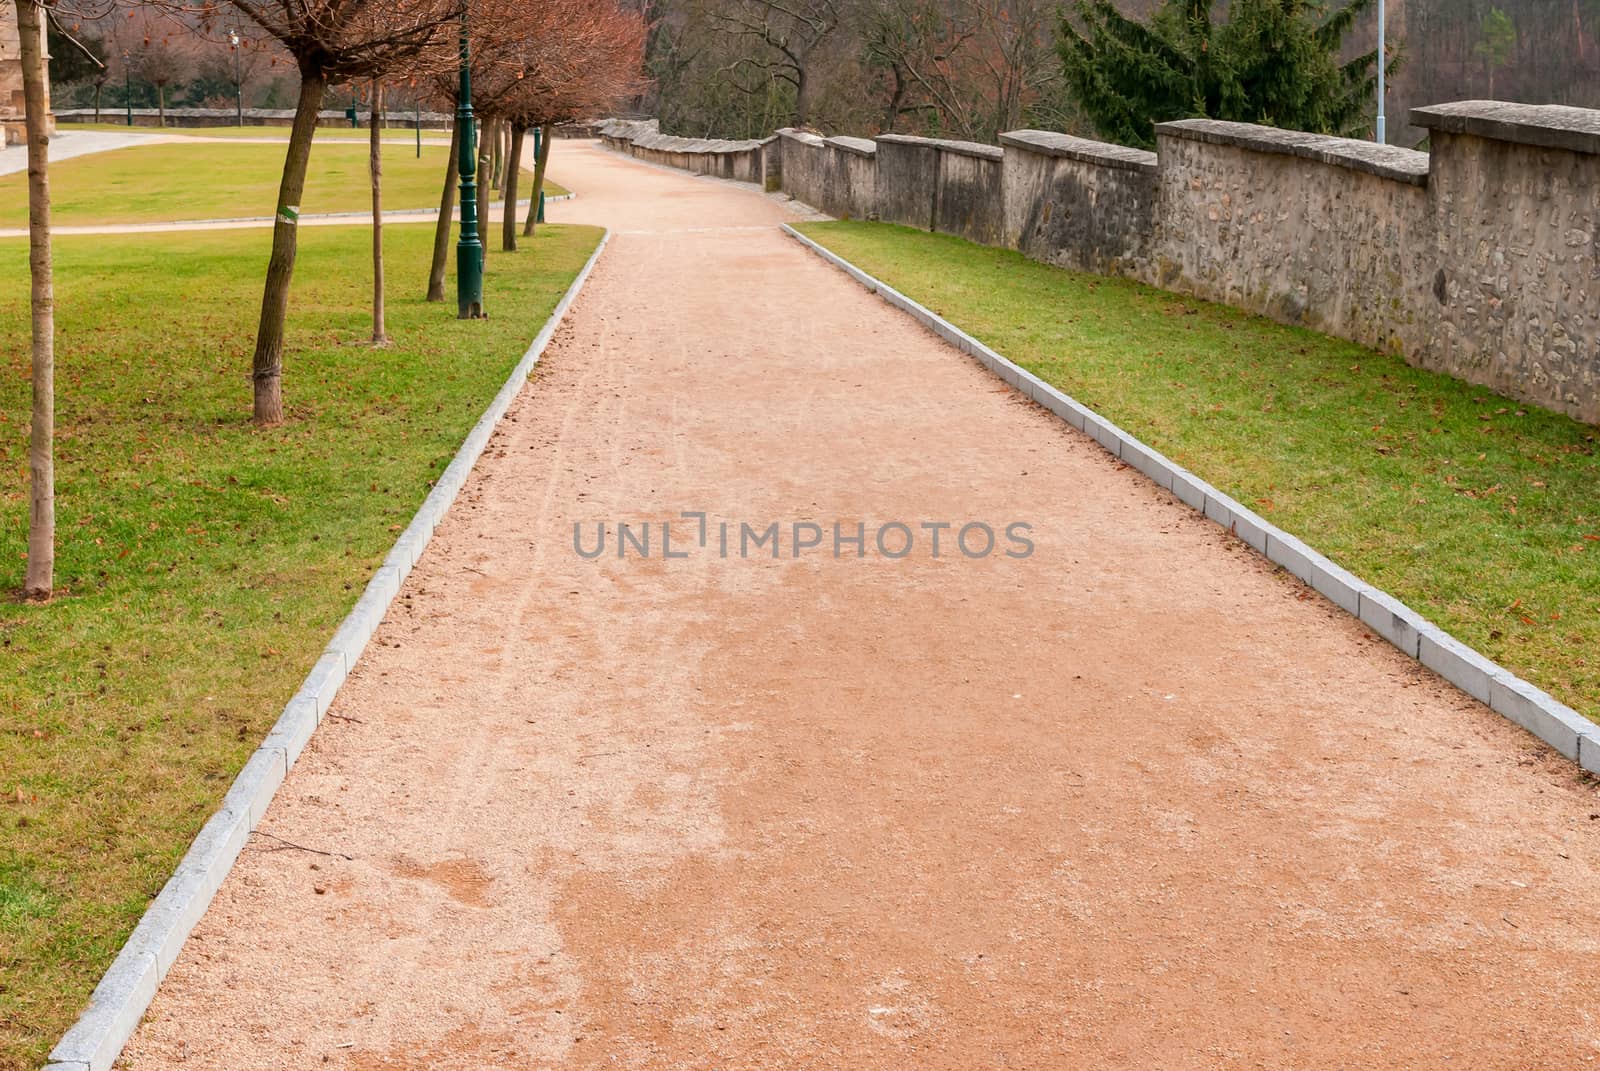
(1269, 61)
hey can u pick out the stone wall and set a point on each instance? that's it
(908, 174)
(1513, 285)
(834, 175)
(1325, 232)
(1480, 258)
(1077, 204)
(952, 187)
(853, 182)
(805, 166)
(739, 160)
(193, 118)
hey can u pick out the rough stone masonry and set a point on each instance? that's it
(1479, 258)
(12, 130)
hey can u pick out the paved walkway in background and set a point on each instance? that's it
(313, 219)
(77, 143)
(67, 144)
(1135, 801)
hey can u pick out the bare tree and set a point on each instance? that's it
(591, 65)
(907, 40)
(447, 204)
(225, 73)
(508, 222)
(39, 578)
(689, 57)
(1013, 62)
(380, 335)
(102, 76)
(496, 156)
(83, 59)
(486, 136)
(502, 30)
(332, 42)
(791, 34)
(955, 68)
(161, 51)
(541, 163)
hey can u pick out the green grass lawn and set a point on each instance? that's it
(1480, 512)
(196, 180)
(203, 564)
(345, 133)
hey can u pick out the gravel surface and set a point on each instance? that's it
(1134, 801)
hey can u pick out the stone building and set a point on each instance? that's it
(11, 103)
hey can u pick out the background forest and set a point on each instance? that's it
(970, 68)
(952, 68)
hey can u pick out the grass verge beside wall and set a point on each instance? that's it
(1480, 512)
(203, 564)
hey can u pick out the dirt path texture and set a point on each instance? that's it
(1131, 800)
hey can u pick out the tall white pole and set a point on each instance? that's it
(1383, 57)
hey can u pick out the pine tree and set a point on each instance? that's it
(1499, 40)
(1269, 61)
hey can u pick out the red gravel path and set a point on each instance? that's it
(1136, 801)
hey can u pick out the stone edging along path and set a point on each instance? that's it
(129, 984)
(1544, 716)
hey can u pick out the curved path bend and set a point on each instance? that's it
(1135, 801)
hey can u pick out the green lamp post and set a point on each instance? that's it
(234, 41)
(469, 250)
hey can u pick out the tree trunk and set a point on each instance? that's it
(493, 178)
(486, 136)
(441, 229)
(508, 214)
(891, 114)
(802, 98)
(267, 368)
(539, 163)
(375, 152)
(97, 89)
(39, 578)
(161, 105)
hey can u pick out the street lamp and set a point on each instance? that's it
(127, 84)
(238, 77)
(469, 250)
(1382, 57)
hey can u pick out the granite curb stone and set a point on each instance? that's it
(118, 1003)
